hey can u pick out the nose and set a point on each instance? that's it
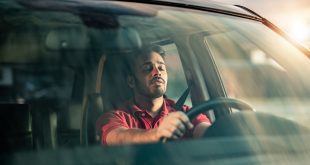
(156, 72)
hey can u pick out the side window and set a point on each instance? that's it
(246, 70)
(251, 74)
(176, 77)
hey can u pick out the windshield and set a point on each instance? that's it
(262, 68)
(63, 69)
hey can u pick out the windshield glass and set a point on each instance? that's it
(260, 67)
(64, 69)
(255, 64)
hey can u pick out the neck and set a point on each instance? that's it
(152, 105)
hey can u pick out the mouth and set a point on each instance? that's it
(158, 81)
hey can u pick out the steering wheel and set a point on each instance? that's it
(220, 101)
(210, 104)
(242, 124)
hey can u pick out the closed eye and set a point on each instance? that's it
(147, 68)
(162, 68)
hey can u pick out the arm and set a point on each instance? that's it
(200, 129)
(131, 135)
(173, 126)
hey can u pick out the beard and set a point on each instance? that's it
(155, 92)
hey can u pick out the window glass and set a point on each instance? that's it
(176, 77)
(258, 74)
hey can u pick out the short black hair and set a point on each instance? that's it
(158, 49)
(130, 57)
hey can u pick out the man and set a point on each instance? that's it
(148, 116)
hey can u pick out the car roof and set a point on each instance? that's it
(209, 4)
(74, 4)
(17, 12)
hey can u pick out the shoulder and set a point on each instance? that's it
(114, 117)
(119, 112)
(125, 108)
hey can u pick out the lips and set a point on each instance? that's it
(158, 80)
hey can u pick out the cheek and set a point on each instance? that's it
(143, 80)
(165, 76)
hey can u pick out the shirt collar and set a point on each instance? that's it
(136, 110)
(165, 110)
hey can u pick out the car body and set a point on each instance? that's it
(62, 66)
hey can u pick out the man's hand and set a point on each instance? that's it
(174, 125)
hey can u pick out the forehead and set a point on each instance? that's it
(152, 57)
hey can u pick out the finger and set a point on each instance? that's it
(176, 129)
(176, 121)
(188, 125)
(174, 137)
(166, 133)
(185, 120)
(178, 133)
(164, 140)
(182, 127)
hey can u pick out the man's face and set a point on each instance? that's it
(150, 76)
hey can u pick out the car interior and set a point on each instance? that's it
(73, 71)
(62, 66)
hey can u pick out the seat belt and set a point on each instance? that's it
(179, 104)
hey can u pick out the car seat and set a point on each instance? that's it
(111, 85)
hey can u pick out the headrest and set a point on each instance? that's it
(120, 39)
(128, 38)
(67, 39)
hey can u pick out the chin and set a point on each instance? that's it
(158, 93)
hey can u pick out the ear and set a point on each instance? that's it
(131, 81)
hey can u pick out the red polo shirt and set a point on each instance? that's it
(131, 116)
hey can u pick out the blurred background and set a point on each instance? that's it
(293, 16)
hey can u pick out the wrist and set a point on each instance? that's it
(154, 135)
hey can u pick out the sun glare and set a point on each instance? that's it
(299, 31)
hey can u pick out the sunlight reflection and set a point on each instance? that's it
(299, 31)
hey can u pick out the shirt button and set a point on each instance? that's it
(143, 114)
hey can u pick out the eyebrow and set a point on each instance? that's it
(149, 62)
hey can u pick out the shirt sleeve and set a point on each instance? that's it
(108, 122)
